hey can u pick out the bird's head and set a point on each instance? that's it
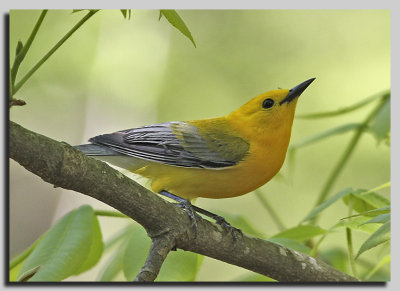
(270, 110)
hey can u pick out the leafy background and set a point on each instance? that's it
(117, 73)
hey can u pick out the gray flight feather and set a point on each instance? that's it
(174, 143)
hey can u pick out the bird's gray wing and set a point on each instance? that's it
(176, 143)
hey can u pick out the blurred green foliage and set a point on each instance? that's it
(114, 74)
(73, 246)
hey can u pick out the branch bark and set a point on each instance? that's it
(168, 226)
(160, 247)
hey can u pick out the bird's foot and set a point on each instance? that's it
(192, 211)
(228, 227)
(187, 206)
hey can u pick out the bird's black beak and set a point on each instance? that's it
(296, 91)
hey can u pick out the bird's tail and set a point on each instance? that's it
(115, 158)
(96, 150)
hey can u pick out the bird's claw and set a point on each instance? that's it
(187, 206)
(192, 210)
(228, 227)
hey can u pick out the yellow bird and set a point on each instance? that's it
(212, 158)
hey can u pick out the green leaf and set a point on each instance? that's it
(380, 126)
(96, 248)
(19, 48)
(13, 272)
(121, 235)
(358, 224)
(337, 258)
(327, 203)
(63, 250)
(372, 213)
(301, 232)
(380, 236)
(383, 218)
(173, 17)
(326, 134)
(376, 212)
(366, 200)
(114, 264)
(374, 199)
(344, 110)
(22, 257)
(384, 261)
(136, 252)
(180, 266)
(380, 187)
(290, 243)
(126, 13)
(355, 224)
(25, 276)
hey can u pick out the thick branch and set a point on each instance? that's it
(62, 165)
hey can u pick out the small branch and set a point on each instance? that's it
(270, 210)
(64, 166)
(347, 153)
(21, 55)
(344, 110)
(17, 102)
(52, 51)
(350, 249)
(159, 250)
(349, 239)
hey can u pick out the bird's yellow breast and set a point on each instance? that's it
(263, 161)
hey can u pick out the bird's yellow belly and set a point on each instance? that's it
(191, 183)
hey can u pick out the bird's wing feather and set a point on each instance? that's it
(178, 144)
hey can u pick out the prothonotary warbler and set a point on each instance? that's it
(213, 158)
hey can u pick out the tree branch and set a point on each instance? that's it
(160, 247)
(168, 226)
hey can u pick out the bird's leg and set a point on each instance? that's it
(185, 204)
(221, 221)
(191, 210)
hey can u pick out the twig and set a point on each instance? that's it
(160, 247)
(349, 238)
(52, 51)
(270, 210)
(20, 54)
(347, 153)
(17, 102)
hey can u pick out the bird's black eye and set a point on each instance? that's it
(268, 103)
